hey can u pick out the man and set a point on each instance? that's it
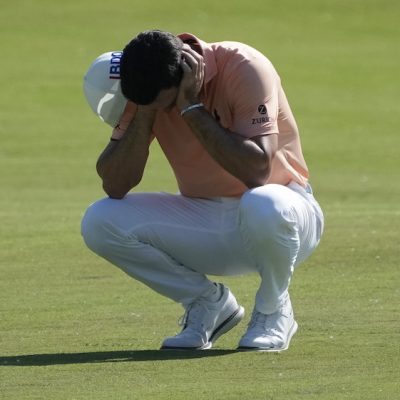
(223, 121)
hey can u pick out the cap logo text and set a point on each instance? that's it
(114, 70)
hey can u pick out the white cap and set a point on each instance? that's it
(102, 88)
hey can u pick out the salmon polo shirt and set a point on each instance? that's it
(243, 92)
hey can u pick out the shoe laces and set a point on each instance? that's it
(258, 320)
(191, 316)
(263, 323)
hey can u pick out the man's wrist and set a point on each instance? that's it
(146, 111)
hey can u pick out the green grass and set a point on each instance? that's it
(73, 327)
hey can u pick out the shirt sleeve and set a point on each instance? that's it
(253, 95)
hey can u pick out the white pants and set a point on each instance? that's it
(171, 242)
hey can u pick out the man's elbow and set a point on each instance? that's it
(253, 183)
(117, 192)
(114, 193)
(258, 177)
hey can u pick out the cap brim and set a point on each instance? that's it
(108, 106)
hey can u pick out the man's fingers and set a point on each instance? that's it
(193, 58)
(193, 74)
(193, 53)
(195, 62)
(186, 67)
(191, 61)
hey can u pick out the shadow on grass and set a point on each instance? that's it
(108, 356)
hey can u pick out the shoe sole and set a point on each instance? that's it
(292, 331)
(224, 327)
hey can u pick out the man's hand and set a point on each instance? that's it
(193, 78)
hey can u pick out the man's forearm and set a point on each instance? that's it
(122, 162)
(241, 157)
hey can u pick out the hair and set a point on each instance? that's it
(149, 63)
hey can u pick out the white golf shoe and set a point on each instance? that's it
(271, 332)
(205, 321)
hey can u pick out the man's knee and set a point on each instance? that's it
(95, 227)
(265, 210)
